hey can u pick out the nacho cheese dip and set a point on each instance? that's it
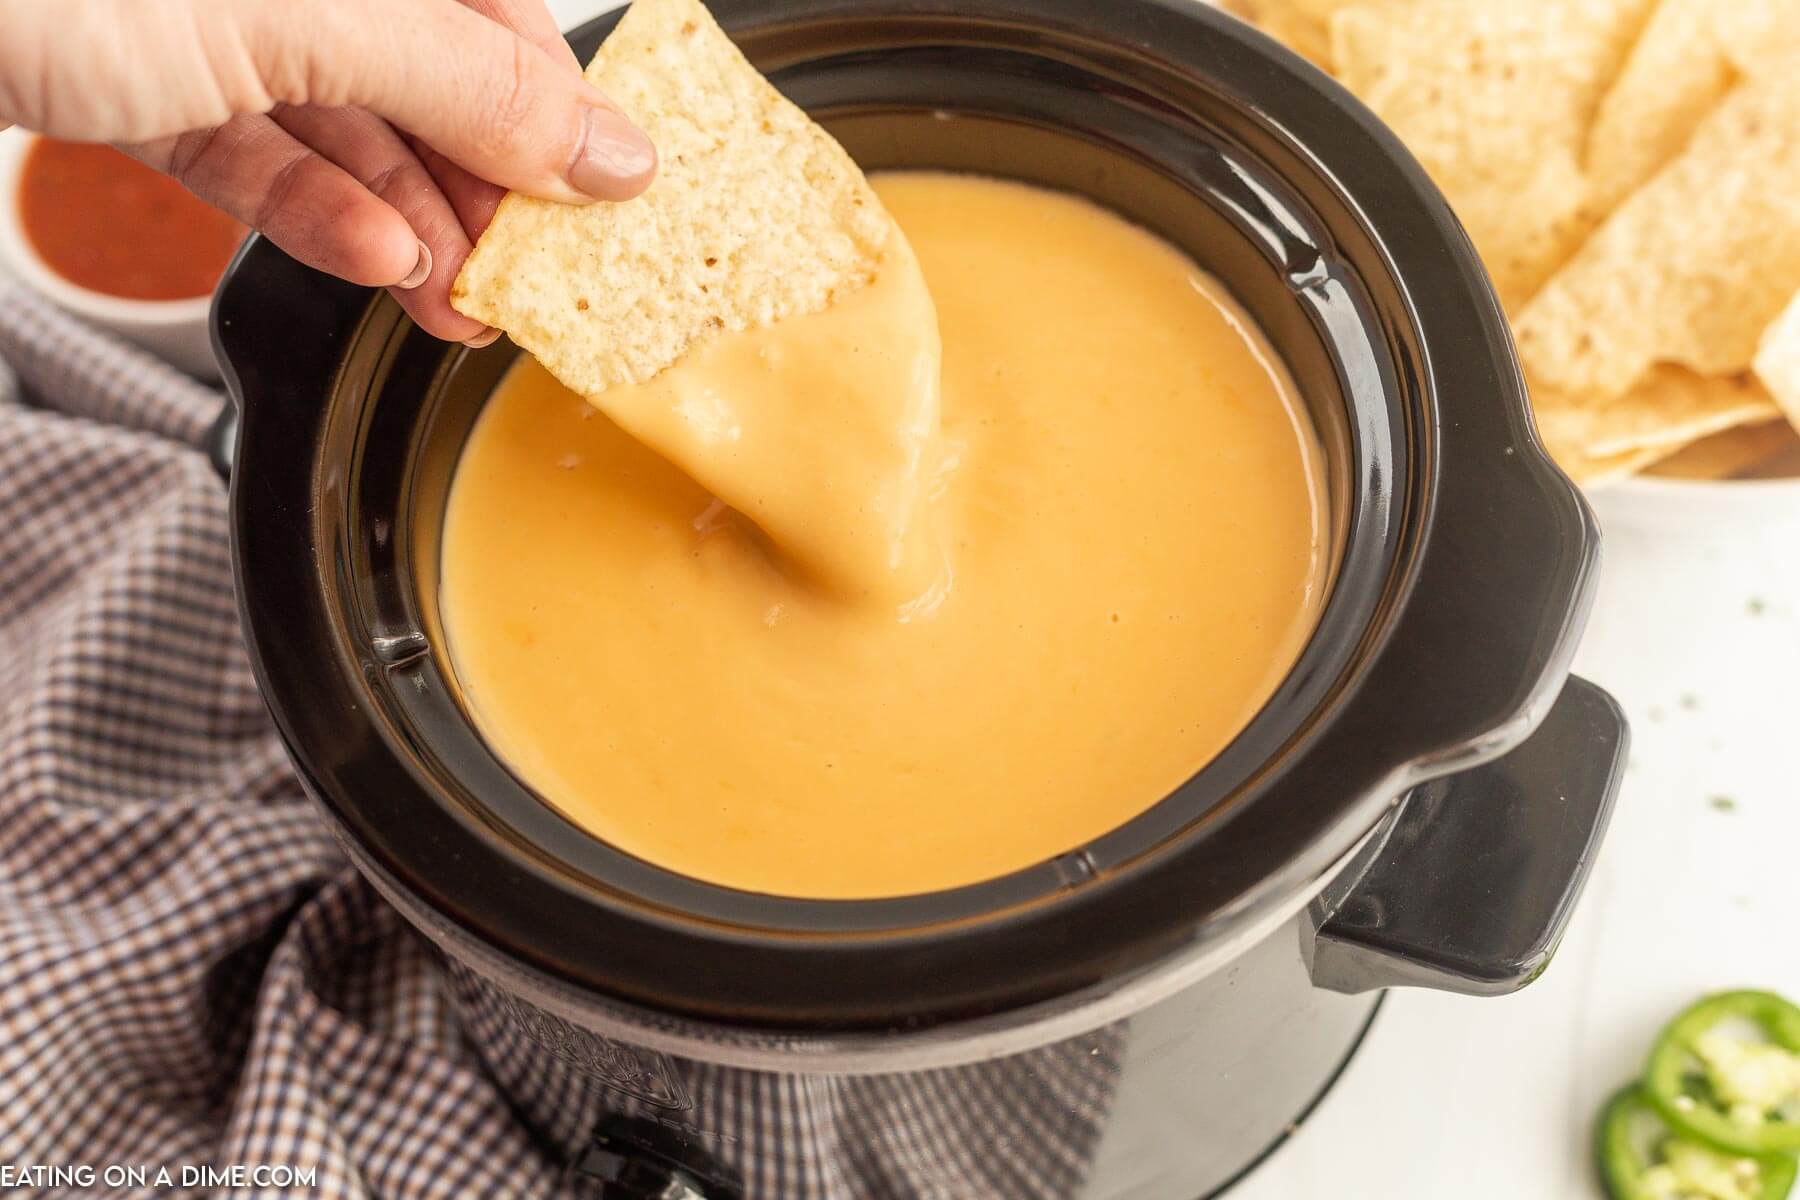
(1130, 508)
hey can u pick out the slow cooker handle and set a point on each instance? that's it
(279, 330)
(1472, 883)
(221, 439)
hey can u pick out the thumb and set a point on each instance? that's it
(473, 90)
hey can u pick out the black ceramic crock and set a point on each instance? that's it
(1390, 817)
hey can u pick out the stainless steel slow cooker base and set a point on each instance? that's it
(1179, 1100)
(1176, 1102)
(1268, 1049)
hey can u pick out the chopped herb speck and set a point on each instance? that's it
(1756, 606)
(1690, 701)
(1723, 804)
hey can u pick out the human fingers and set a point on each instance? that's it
(497, 104)
(531, 20)
(479, 93)
(376, 156)
(259, 173)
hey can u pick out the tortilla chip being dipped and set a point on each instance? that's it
(756, 214)
(754, 316)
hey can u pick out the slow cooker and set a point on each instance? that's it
(1140, 1018)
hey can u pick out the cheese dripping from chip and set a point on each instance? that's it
(756, 316)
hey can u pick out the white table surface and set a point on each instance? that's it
(1697, 632)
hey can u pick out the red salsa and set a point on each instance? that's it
(110, 224)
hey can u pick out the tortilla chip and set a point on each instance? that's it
(756, 214)
(1669, 409)
(1758, 36)
(1777, 361)
(1690, 55)
(1303, 26)
(1323, 10)
(1495, 100)
(1691, 267)
(1302, 35)
(1784, 463)
(1590, 470)
(1763, 450)
(1676, 74)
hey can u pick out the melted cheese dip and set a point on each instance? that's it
(1125, 516)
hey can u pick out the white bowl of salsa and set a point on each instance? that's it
(114, 243)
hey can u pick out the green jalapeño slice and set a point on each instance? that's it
(1727, 1071)
(1643, 1158)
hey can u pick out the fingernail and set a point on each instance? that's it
(616, 159)
(482, 339)
(421, 270)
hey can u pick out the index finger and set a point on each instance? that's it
(531, 20)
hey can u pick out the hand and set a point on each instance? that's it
(368, 138)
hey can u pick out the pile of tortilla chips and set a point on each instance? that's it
(1630, 172)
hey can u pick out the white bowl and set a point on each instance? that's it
(173, 330)
(1701, 507)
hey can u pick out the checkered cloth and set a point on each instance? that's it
(190, 974)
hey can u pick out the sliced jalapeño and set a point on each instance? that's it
(1727, 1071)
(1643, 1158)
